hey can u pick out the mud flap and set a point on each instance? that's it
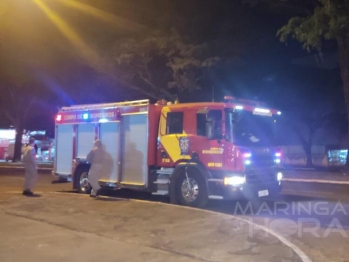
(172, 190)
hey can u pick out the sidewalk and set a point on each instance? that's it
(70, 227)
(314, 176)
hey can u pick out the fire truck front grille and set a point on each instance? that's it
(263, 161)
(260, 177)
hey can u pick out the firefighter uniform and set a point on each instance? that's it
(31, 173)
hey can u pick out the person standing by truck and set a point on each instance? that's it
(31, 168)
(96, 158)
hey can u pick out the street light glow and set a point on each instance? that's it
(102, 15)
(85, 51)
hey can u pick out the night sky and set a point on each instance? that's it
(255, 65)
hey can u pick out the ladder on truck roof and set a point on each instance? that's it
(106, 105)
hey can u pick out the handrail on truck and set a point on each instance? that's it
(106, 105)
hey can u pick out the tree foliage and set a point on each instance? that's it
(162, 65)
(311, 22)
(307, 124)
(329, 20)
(19, 99)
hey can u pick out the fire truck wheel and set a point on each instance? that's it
(191, 189)
(83, 185)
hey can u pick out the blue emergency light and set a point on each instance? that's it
(85, 116)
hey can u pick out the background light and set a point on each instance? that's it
(246, 155)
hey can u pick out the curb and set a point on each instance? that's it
(321, 181)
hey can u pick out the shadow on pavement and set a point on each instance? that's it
(68, 191)
(34, 195)
(110, 199)
(59, 181)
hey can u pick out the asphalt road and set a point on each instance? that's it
(315, 217)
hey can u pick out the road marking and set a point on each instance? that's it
(282, 239)
(316, 181)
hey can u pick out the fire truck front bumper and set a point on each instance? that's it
(220, 190)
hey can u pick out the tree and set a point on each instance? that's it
(312, 23)
(19, 100)
(329, 20)
(161, 66)
(307, 125)
(312, 117)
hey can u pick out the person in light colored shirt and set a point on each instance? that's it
(31, 168)
(96, 157)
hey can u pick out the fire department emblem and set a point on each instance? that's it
(184, 145)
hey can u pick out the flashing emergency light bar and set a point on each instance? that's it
(262, 110)
(94, 116)
(247, 155)
(239, 107)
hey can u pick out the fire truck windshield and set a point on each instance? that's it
(246, 129)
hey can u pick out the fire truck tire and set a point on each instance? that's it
(193, 192)
(83, 186)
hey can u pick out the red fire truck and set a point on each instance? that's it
(190, 152)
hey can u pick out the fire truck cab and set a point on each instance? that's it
(190, 152)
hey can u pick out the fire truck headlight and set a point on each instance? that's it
(279, 176)
(234, 180)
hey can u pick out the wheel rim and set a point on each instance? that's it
(190, 189)
(84, 184)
